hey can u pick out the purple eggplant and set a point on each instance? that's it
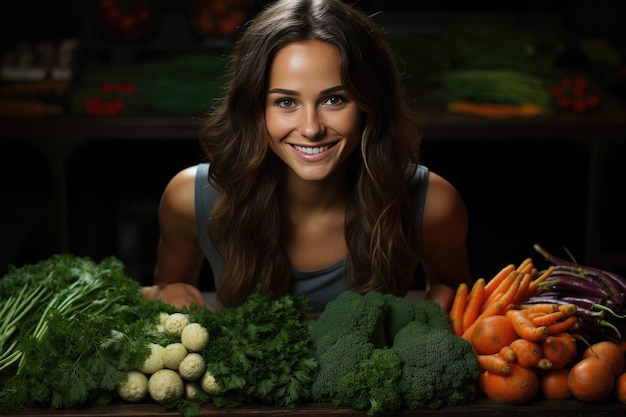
(614, 283)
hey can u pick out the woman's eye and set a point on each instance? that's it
(334, 101)
(286, 103)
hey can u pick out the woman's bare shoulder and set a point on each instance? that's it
(179, 194)
(442, 198)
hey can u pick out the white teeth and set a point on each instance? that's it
(311, 151)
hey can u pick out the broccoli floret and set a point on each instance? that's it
(373, 384)
(401, 312)
(431, 314)
(337, 361)
(346, 339)
(439, 368)
(350, 312)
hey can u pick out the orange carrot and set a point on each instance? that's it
(570, 340)
(494, 363)
(508, 296)
(458, 308)
(499, 306)
(467, 333)
(527, 352)
(534, 285)
(568, 309)
(557, 350)
(496, 307)
(508, 354)
(545, 308)
(474, 302)
(493, 283)
(561, 313)
(569, 323)
(525, 266)
(513, 279)
(548, 319)
(535, 314)
(524, 326)
(520, 296)
(545, 364)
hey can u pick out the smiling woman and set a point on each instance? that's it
(313, 123)
(312, 184)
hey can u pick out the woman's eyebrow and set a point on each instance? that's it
(283, 91)
(296, 93)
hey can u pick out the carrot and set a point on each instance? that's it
(512, 280)
(544, 364)
(499, 306)
(536, 314)
(458, 308)
(494, 363)
(525, 266)
(495, 281)
(527, 352)
(524, 326)
(534, 285)
(570, 340)
(493, 309)
(557, 350)
(495, 110)
(562, 312)
(569, 323)
(508, 296)
(508, 354)
(474, 302)
(519, 386)
(545, 308)
(568, 309)
(548, 319)
(520, 296)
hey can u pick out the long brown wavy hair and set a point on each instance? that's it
(246, 222)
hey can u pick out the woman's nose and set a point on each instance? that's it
(311, 124)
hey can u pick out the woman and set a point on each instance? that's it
(313, 185)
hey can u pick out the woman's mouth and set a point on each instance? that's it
(310, 150)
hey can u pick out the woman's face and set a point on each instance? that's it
(313, 123)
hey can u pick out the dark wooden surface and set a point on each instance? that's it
(482, 407)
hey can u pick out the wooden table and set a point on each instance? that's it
(482, 407)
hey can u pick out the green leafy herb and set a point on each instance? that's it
(72, 329)
(261, 352)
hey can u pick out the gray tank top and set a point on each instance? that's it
(319, 286)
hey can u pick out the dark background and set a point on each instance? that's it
(518, 192)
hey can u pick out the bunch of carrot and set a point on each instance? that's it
(514, 341)
(511, 286)
(540, 337)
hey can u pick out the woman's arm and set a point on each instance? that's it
(444, 233)
(179, 258)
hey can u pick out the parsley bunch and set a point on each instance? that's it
(261, 352)
(71, 328)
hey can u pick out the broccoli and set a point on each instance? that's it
(339, 318)
(431, 314)
(399, 314)
(345, 338)
(402, 311)
(334, 363)
(438, 369)
(379, 352)
(373, 384)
